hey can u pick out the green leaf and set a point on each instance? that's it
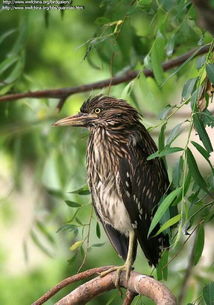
(161, 138)
(166, 151)
(55, 193)
(165, 204)
(76, 245)
(68, 227)
(177, 172)
(98, 230)
(202, 151)
(72, 204)
(164, 113)
(189, 88)
(43, 229)
(198, 245)
(174, 133)
(162, 268)
(210, 72)
(98, 245)
(193, 167)
(82, 191)
(157, 59)
(208, 293)
(6, 34)
(169, 223)
(199, 126)
(39, 244)
(7, 63)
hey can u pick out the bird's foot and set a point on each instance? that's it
(126, 267)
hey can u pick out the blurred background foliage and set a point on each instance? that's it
(48, 229)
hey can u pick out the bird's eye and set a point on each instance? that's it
(97, 110)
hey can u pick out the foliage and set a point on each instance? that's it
(82, 47)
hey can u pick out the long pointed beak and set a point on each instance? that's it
(77, 120)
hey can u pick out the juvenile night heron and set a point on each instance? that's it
(125, 186)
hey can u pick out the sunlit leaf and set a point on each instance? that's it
(76, 245)
(165, 204)
(169, 223)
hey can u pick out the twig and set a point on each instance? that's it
(63, 93)
(138, 284)
(68, 281)
(129, 297)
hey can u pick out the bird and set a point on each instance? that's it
(125, 187)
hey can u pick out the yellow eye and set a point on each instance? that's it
(97, 110)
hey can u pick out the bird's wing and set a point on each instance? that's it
(142, 185)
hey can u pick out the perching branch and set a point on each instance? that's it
(137, 284)
(63, 93)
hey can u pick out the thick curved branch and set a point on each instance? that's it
(137, 284)
(69, 280)
(63, 93)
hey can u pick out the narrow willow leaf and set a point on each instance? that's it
(169, 223)
(210, 72)
(7, 63)
(76, 245)
(82, 191)
(162, 268)
(98, 230)
(55, 193)
(39, 244)
(157, 58)
(42, 228)
(189, 88)
(98, 245)
(166, 151)
(72, 204)
(199, 126)
(175, 132)
(198, 245)
(68, 227)
(161, 138)
(193, 167)
(202, 151)
(208, 293)
(164, 113)
(177, 172)
(163, 208)
(5, 35)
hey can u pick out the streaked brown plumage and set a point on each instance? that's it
(125, 186)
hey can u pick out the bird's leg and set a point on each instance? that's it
(128, 263)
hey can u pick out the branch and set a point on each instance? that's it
(137, 284)
(63, 93)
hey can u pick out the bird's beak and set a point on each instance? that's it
(77, 120)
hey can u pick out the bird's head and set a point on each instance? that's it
(103, 111)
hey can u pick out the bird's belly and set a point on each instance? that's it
(111, 208)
